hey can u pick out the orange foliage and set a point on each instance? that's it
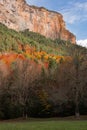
(31, 53)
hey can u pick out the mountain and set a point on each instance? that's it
(18, 15)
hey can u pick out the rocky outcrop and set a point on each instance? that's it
(18, 15)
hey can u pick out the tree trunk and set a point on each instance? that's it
(26, 116)
(77, 113)
(23, 114)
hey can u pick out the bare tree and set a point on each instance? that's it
(25, 73)
(79, 58)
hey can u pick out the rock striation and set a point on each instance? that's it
(18, 15)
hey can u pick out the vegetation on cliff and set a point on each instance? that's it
(40, 77)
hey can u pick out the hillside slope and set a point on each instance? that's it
(32, 45)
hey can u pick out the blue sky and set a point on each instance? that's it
(74, 13)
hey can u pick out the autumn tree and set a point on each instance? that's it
(79, 66)
(25, 73)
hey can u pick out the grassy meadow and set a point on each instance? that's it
(44, 125)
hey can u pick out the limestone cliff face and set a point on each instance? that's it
(18, 15)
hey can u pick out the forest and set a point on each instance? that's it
(40, 77)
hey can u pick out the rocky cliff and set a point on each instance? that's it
(18, 15)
